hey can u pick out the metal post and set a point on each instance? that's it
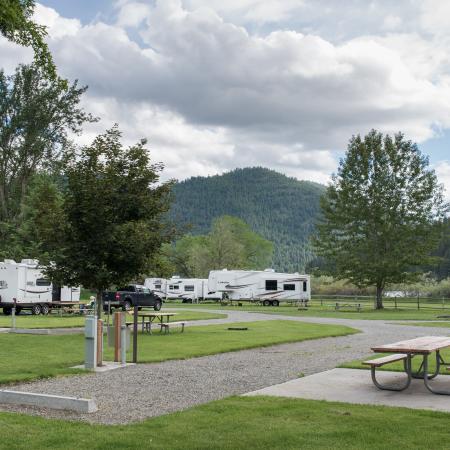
(99, 342)
(14, 315)
(418, 302)
(135, 332)
(90, 334)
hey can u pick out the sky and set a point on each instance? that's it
(214, 85)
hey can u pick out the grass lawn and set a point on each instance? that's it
(243, 423)
(26, 357)
(318, 311)
(69, 321)
(398, 366)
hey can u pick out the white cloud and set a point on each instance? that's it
(211, 94)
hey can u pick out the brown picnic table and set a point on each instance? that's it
(405, 351)
(149, 317)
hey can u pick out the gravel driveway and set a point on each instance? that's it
(137, 392)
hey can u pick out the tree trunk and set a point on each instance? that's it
(99, 304)
(379, 299)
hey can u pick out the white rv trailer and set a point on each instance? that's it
(267, 287)
(187, 289)
(157, 285)
(25, 284)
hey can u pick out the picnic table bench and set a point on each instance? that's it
(340, 305)
(167, 325)
(406, 350)
(151, 317)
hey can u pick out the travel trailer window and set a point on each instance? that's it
(189, 288)
(157, 286)
(305, 286)
(271, 285)
(43, 282)
(174, 286)
(3, 284)
(289, 287)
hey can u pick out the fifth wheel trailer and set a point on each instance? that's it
(187, 289)
(267, 287)
(25, 285)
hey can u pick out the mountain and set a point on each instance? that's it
(282, 209)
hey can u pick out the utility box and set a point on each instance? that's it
(112, 337)
(90, 342)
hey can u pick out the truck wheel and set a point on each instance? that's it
(45, 309)
(36, 310)
(266, 302)
(126, 305)
(157, 306)
(7, 310)
(275, 303)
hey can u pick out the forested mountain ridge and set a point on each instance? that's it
(284, 210)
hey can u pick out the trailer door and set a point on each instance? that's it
(56, 293)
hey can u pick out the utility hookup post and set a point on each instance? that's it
(90, 342)
(14, 314)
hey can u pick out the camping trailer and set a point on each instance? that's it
(157, 285)
(187, 289)
(25, 284)
(267, 287)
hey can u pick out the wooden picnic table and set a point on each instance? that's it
(151, 316)
(421, 346)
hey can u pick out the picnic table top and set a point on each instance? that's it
(420, 345)
(155, 314)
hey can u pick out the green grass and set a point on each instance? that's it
(211, 339)
(26, 357)
(398, 366)
(261, 423)
(367, 312)
(70, 321)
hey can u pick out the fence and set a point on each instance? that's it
(417, 302)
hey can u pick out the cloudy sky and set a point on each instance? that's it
(217, 84)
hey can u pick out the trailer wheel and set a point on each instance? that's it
(275, 303)
(7, 310)
(36, 309)
(45, 309)
(18, 310)
(266, 302)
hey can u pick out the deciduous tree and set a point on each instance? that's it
(113, 209)
(380, 212)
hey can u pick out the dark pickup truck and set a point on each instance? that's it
(130, 295)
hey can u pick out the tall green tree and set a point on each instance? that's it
(42, 220)
(113, 211)
(36, 117)
(380, 212)
(16, 24)
(230, 243)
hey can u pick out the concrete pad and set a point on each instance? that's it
(81, 405)
(355, 386)
(106, 367)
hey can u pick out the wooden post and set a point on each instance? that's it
(99, 343)
(117, 343)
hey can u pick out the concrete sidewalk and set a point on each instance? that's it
(355, 386)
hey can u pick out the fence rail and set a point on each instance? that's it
(416, 302)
